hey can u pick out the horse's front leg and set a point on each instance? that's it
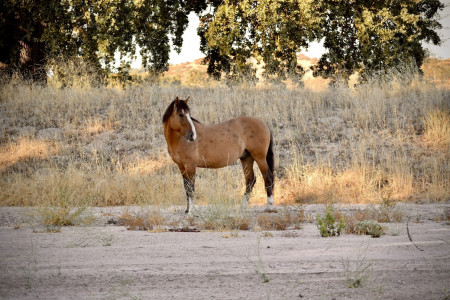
(189, 186)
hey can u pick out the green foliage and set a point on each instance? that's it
(368, 37)
(33, 31)
(328, 226)
(74, 73)
(369, 227)
(375, 36)
(271, 32)
(357, 274)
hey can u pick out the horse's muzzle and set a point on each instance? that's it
(189, 136)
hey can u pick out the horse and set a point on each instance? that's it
(193, 145)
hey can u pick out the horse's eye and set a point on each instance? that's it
(180, 115)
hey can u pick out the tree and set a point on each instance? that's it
(364, 36)
(268, 31)
(373, 36)
(33, 31)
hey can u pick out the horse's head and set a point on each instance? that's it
(177, 117)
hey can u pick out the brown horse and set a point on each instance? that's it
(192, 145)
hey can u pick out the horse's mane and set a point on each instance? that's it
(181, 106)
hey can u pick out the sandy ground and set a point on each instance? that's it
(104, 261)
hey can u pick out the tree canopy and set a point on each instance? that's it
(33, 31)
(363, 36)
(373, 36)
(272, 32)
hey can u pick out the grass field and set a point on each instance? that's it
(104, 146)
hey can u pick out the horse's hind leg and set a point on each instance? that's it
(250, 179)
(268, 179)
(189, 186)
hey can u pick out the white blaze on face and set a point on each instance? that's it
(194, 135)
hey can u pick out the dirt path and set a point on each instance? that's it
(110, 262)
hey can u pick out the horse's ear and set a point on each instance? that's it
(176, 99)
(187, 99)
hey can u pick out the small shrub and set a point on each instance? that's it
(231, 222)
(107, 240)
(272, 222)
(223, 218)
(358, 274)
(389, 212)
(328, 226)
(56, 217)
(237, 222)
(369, 227)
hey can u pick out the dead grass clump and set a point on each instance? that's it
(142, 221)
(366, 220)
(222, 218)
(238, 222)
(227, 223)
(54, 218)
(280, 221)
(271, 222)
(388, 212)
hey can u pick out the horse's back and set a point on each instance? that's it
(253, 133)
(223, 143)
(256, 135)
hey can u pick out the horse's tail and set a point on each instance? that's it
(270, 156)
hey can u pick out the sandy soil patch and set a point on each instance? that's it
(109, 262)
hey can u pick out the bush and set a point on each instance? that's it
(369, 227)
(328, 226)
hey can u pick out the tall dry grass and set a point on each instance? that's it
(361, 145)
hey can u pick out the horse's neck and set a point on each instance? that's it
(173, 138)
(169, 134)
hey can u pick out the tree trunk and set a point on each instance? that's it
(32, 57)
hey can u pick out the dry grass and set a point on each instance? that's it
(335, 145)
(437, 129)
(25, 149)
(149, 221)
(281, 220)
(236, 221)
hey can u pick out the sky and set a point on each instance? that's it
(191, 42)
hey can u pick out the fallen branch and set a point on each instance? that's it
(409, 236)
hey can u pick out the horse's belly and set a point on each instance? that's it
(219, 156)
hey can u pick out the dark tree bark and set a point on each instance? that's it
(32, 56)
